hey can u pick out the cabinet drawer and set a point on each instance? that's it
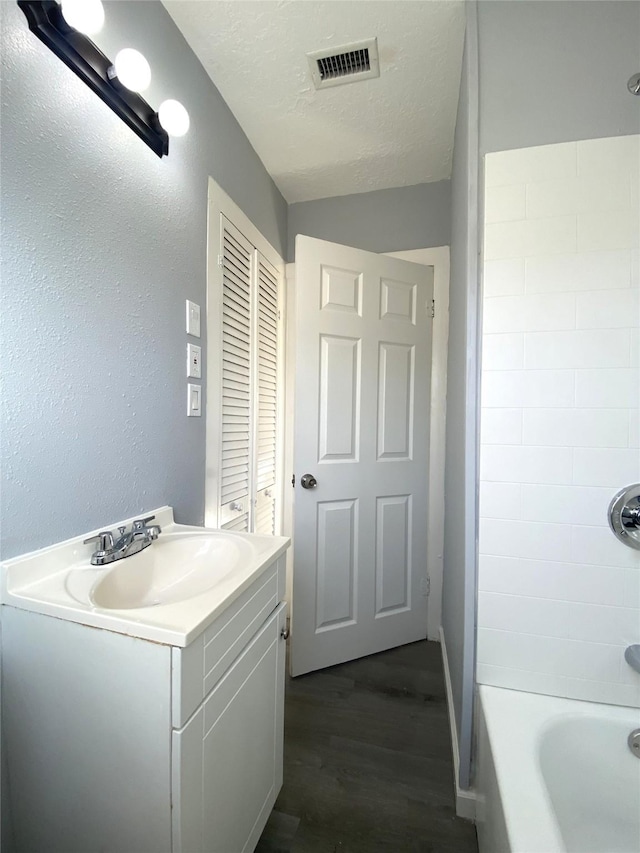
(197, 668)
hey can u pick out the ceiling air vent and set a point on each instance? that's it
(347, 64)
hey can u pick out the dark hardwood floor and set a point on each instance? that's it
(367, 760)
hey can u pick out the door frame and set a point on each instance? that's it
(438, 258)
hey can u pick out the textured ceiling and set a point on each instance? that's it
(395, 130)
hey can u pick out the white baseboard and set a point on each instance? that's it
(465, 798)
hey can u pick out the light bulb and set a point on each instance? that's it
(174, 118)
(86, 16)
(132, 69)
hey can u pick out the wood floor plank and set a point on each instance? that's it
(368, 765)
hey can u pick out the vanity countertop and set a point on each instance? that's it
(59, 581)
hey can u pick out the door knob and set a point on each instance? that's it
(624, 515)
(308, 481)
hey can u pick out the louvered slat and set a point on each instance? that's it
(239, 525)
(236, 375)
(267, 343)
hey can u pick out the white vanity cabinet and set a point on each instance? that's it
(227, 759)
(117, 744)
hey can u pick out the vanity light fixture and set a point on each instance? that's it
(65, 29)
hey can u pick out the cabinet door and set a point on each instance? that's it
(227, 760)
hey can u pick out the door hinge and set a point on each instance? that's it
(221, 261)
(293, 481)
(426, 586)
(431, 309)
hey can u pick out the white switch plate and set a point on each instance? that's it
(194, 400)
(193, 319)
(194, 361)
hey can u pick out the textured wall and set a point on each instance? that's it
(392, 220)
(102, 242)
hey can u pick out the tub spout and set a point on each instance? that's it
(632, 657)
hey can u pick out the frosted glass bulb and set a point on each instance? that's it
(86, 16)
(174, 118)
(132, 69)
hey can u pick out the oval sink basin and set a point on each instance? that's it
(175, 567)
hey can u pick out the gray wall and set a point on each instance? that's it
(548, 72)
(458, 590)
(102, 242)
(556, 71)
(391, 220)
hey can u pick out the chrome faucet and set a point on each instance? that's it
(127, 543)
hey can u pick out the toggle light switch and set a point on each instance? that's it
(194, 358)
(193, 319)
(194, 400)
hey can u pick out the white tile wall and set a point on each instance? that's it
(530, 312)
(564, 504)
(503, 352)
(506, 203)
(559, 596)
(588, 271)
(550, 388)
(577, 348)
(608, 389)
(577, 427)
(502, 426)
(525, 165)
(505, 277)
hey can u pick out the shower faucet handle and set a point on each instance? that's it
(624, 515)
(630, 516)
(632, 656)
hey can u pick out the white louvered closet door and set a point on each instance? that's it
(237, 373)
(266, 395)
(249, 377)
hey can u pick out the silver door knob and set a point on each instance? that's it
(308, 481)
(624, 515)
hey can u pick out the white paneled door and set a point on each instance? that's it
(363, 366)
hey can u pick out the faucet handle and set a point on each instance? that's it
(141, 523)
(104, 540)
(139, 528)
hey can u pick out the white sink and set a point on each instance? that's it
(168, 593)
(175, 567)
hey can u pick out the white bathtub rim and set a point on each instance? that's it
(516, 722)
(528, 813)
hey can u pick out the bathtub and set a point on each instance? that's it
(555, 775)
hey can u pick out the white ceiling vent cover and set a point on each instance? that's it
(346, 64)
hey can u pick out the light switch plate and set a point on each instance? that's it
(193, 319)
(194, 400)
(194, 361)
